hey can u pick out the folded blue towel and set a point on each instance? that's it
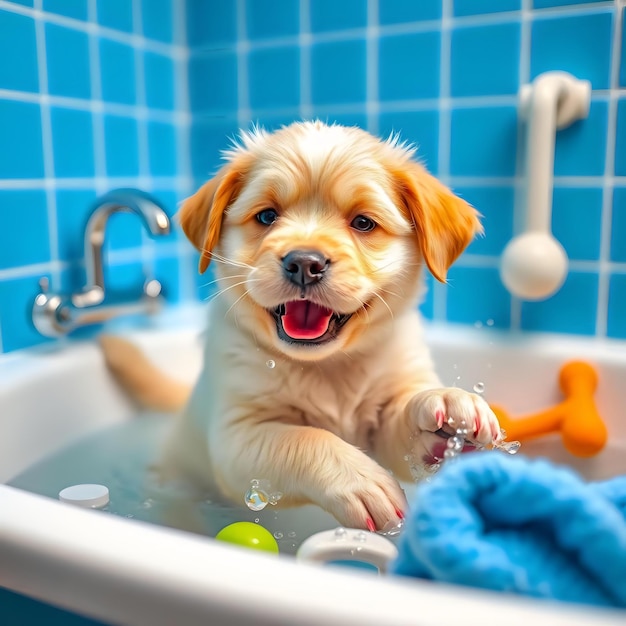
(513, 524)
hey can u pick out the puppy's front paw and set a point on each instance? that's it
(429, 412)
(367, 497)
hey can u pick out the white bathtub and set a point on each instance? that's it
(128, 572)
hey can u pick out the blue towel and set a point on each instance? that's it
(518, 525)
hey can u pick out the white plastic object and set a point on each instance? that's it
(534, 264)
(88, 496)
(348, 544)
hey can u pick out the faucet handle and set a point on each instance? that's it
(44, 284)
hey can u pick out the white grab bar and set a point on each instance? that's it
(534, 264)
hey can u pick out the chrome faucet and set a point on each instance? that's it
(55, 315)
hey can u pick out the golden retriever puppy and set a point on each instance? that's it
(316, 375)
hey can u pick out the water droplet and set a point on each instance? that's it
(270, 363)
(256, 499)
(291, 535)
(340, 532)
(510, 447)
(392, 528)
(448, 454)
(479, 387)
(455, 443)
(256, 520)
(278, 535)
(361, 536)
(490, 322)
(275, 497)
(254, 483)
(147, 504)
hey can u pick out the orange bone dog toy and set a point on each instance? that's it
(576, 418)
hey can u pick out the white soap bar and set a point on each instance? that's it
(88, 496)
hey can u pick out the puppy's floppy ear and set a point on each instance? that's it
(444, 223)
(201, 214)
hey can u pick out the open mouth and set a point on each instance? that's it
(305, 322)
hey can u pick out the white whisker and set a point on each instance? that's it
(223, 291)
(385, 303)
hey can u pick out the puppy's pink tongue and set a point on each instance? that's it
(305, 320)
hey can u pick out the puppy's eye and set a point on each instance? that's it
(266, 217)
(363, 224)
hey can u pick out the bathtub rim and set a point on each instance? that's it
(52, 561)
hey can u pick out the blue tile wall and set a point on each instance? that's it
(20, 128)
(159, 81)
(329, 15)
(282, 21)
(421, 128)
(620, 147)
(76, 9)
(618, 226)
(157, 20)
(580, 44)
(577, 210)
(67, 59)
(270, 89)
(117, 65)
(571, 310)
(622, 70)
(475, 69)
(18, 43)
(106, 109)
(338, 72)
(475, 7)
(390, 66)
(72, 138)
(617, 306)
(116, 14)
(484, 141)
(88, 103)
(16, 249)
(423, 81)
(403, 12)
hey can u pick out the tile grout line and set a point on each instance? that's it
(482, 19)
(440, 291)
(602, 311)
(47, 143)
(183, 136)
(519, 206)
(304, 41)
(148, 246)
(243, 47)
(165, 115)
(96, 106)
(86, 26)
(372, 39)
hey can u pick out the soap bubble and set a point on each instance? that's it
(270, 363)
(479, 387)
(256, 499)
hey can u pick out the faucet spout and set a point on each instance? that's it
(152, 216)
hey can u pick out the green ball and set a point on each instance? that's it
(248, 535)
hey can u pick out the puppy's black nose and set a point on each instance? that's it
(304, 267)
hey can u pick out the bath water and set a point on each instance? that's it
(122, 458)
